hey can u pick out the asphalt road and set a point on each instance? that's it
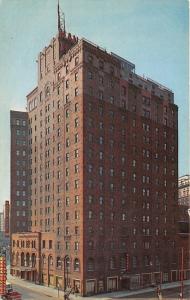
(168, 294)
(28, 294)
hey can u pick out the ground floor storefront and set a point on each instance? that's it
(94, 286)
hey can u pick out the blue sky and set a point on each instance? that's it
(153, 34)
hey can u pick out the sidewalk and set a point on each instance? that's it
(53, 292)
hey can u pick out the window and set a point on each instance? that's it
(76, 122)
(111, 172)
(123, 159)
(67, 246)
(76, 265)
(76, 76)
(76, 246)
(76, 153)
(76, 107)
(59, 263)
(101, 140)
(90, 168)
(58, 132)
(101, 171)
(76, 138)
(50, 244)
(101, 200)
(146, 260)
(112, 263)
(101, 125)
(76, 230)
(90, 122)
(67, 156)
(146, 245)
(90, 198)
(43, 244)
(67, 186)
(76, 168)
(111, 99)
(111, 186)
(134, 261)
(101, 64)
(101, 95)
(101, 79)
(100, 155)
(90, 264)
(67, 201)
(76, 60)
(76, 199)
(67, 84)
(67, 142)
(67, 230)
(90, 214)
(90, 137)
(124, 216)
(76, 215)
(76, 91)
(67, 98)
(112, 216)
(90, 75)
(90, 58)
(123, 173)
(67, 113)
(47, 91)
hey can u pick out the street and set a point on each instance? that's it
(167, 294)
(171, 293)
(30, 294)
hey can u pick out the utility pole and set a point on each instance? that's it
(182, 271)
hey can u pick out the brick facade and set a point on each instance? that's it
(103, 169)
(19, 202)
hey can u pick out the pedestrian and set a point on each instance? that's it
(180, 296)
(160, 296)
(66, 297)
(157, 291)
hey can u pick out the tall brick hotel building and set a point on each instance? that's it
(98, 148)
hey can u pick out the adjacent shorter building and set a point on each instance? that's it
(25, 257)
(19, 203)
(4, 228)
(184, 220)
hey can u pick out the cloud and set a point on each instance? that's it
(1, 1)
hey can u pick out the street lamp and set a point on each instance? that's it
(159, 289)
(48, 267)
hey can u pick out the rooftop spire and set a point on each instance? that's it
(58, 16)
(61, 19)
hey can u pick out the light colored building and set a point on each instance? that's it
(1, 221)
(6, 211)
(184, 190)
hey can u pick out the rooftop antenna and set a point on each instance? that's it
(61, 19)
(58, 17)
